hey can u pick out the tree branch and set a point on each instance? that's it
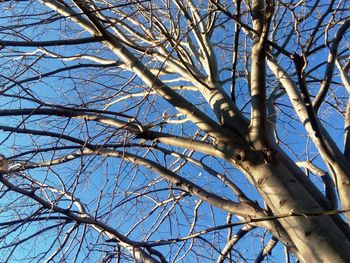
(65, 42)
(327, 181)
(228, 247)
(137, 252)
(328, 75)
(266, 250)
(132, 126)
(261, 15)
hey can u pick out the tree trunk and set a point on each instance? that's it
(285, 189)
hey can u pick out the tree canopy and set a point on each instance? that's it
(174, 131)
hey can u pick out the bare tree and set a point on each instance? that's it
(127, 136)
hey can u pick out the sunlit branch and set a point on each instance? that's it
(326, 179)
(63, 242)
(328, 75)
(266, 250)
(347, 132)
(325, 144)
(226, 112)
(132, 126)
(261, 15)
(53, 55)
(343, 74)
(235, 53)
(272, 114)
(238, 236)
(146, 93)
(193, 113)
